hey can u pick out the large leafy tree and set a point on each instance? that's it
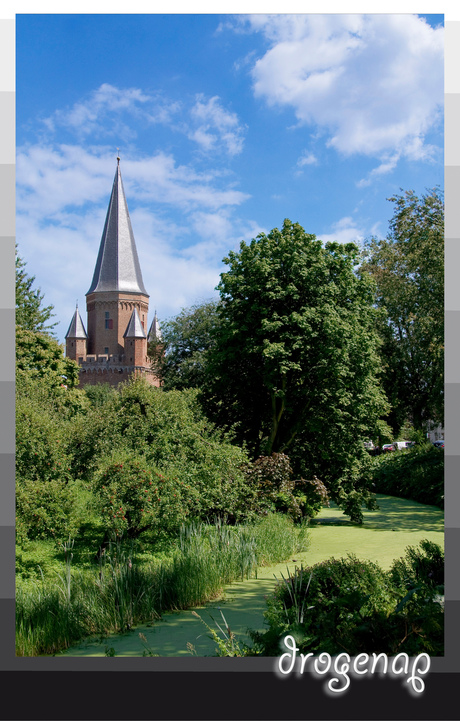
(294, 362)
(408, 267)
(31, 314)
(183, 347)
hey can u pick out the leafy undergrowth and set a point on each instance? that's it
(354, 606)
(416, 474)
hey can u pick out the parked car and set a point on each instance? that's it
(387, 447)
(400, 445)
(439, 444)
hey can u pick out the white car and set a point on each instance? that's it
(399, 445)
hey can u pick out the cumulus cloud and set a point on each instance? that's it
(89, 115)
(53, 178)
(110, 111)
(372, 83)
(215, 126)
(343, 231)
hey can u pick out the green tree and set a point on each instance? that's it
(39, 355)
(169, 432)
(293, 369)
(408, 267)
(30, 312)
(185, 341)
(46, 496)
(133, 496)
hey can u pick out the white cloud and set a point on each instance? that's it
(373, 83)
(343, 231)
(215, 126)
(89, 115)
(307, 159)
(53, 178)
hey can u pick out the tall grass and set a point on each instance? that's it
(122, 592)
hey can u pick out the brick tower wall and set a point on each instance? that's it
(75, 348)
(108, 317)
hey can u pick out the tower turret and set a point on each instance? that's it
(76, 338)
(135, 342)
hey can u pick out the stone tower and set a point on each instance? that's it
(117, 303)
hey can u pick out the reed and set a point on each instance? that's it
(122, 591)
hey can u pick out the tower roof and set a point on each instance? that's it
(117, 266)
(135, 328)
(76, 327)
(154, 332)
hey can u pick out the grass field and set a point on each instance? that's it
(383, 537)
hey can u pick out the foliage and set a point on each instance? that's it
(31, 315)
(277, 538)
(422, 565)
(313, 496)
(46, 509)
(46, 499)
(408, 267)
(43, 504)
(133, 496)
(294, 362)
(185, 340)
(41, 445)
(40, 356)
(271, 478)
(226, 643)
(169, 431)
(100, 394)
(417, 474)
(354, 606)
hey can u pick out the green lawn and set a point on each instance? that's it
(383, 537)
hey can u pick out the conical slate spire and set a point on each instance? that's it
(76, 327)
(154, 332)
(135, 328)
(117, 266)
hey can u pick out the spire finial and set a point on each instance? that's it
(77, 304)
(118, 156)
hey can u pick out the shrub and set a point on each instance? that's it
(420, 566)
(133, 496)
(416, 474)
(46, 505)
(170, 432)
(270, 477)
(354, 606)
(46, 509)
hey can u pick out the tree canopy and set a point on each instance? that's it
(31, 314)
(294, 364)
(408, 267)
(185, 342)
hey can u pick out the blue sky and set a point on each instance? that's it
(226, 125)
